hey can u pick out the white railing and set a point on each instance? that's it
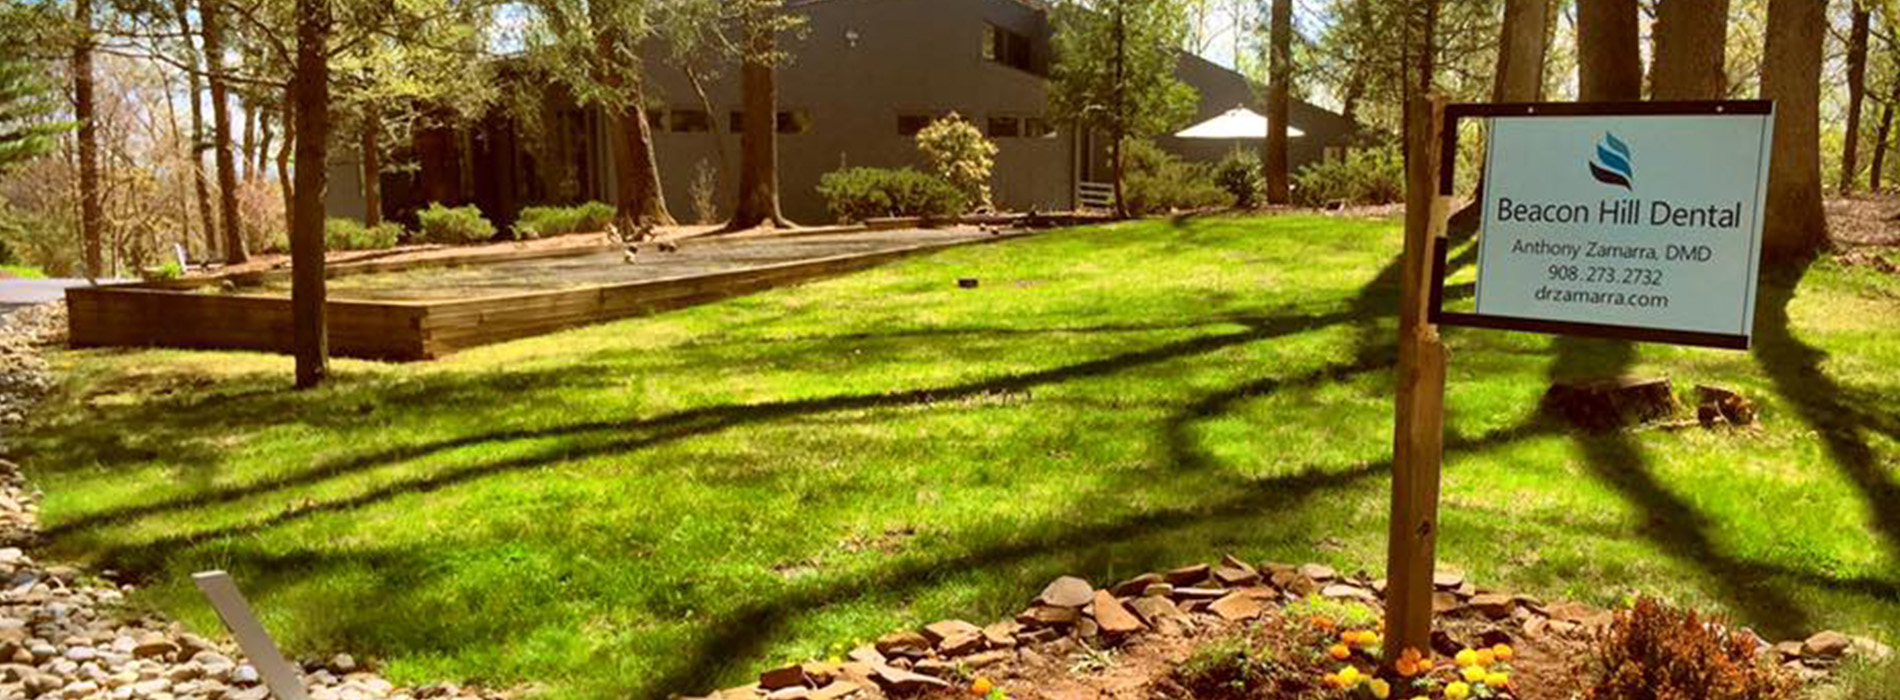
(1095, 195)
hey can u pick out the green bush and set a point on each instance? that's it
(1241, 175)
(1157, 182)
(1366, 176)
(454, 225)
(350, 234)
(538, 222)
(961, 155)
(857, 194)
(167, 271)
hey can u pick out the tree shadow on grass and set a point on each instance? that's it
(1795, 369)
(1674, 525)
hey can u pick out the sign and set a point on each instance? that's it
(1643, 224)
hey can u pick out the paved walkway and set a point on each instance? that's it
(15, 293)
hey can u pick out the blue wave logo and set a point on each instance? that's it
(1612, 164)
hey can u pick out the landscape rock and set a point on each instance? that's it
(897, 681)
(1002, 634)
(1067, 592)
(783, 677)
(905, 643)
(1187, 575)
(1049, 616)
(1496, 606)
(1154, 609)
(1870, 649)
(1238, 606)
(1135, 586)
(1828, 645)
(1319, 573)
(1114, 619)
(937, 632)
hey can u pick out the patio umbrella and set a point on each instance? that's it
(1236, 123)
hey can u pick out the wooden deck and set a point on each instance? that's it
(406, 330)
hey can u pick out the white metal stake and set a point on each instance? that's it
(283, 679)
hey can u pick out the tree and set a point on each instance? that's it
(1114, 71)
(1856, 92)
(593, 49)
(758, 201)
(194, 88)
(28, 128)
(1795, 227)
(310, 86)
(1691, 39)
(1520, 76)
(1279, 85)
(211, 22)
(91, 214)
(1610, 61)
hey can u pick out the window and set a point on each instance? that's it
(909, 123)
(795, 121)
(1038, 128)
(1006, 47)
(688, 121)
(1005, 127)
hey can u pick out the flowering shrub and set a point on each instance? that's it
(1654, 652)
(959, 153)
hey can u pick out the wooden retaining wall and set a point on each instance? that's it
(135, 316)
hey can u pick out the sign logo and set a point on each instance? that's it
(1612, 165)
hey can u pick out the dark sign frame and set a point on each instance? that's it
(1448, 165)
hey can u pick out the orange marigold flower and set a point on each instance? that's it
(1486, 657)
(1406, 667)
(1340, 652)
(1503, 652)
(981, 686)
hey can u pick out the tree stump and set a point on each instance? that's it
(1611, 404)
(1721, 405)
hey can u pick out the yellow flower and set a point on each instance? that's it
(981, 687)
(1457, 691)
(1466, 657)
(1486, 657)
(1473, 674)
(1380, 689)
(1503, 652)
(1340, 652)
(1351, 676)
(1497, 680)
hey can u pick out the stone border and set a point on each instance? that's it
(1071, 612)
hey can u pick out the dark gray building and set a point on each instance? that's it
(864, 76)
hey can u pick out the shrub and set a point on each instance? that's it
(1241, 175)
(454, 225)
(857, 194)
(537, 222)
(704, 190)
(1237, 665)
(1156, 182)
(1366, 176)
(1654, 652)
(167, 271)
(350, 234)
(960, 154)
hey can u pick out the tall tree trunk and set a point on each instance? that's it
(91, 213)
(201, 188)
(758, 201)
(372, 164)
(1795, 227)
(1877, 170)
(265, 136)
(1521, 48)
(1279, 87)
(1609, 58)
(1118, 114)
(1856, 93)
(285, 187)
(1691, 50)
(310, 92)
(247, 138)
(638, 184)
(228, 224)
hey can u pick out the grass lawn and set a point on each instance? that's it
(21, 271)
(667, 504)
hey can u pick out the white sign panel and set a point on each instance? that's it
(1640, 221)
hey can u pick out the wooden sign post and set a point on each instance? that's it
(1418, 440)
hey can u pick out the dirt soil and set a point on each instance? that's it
(694, 256)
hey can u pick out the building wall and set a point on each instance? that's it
(859, 65)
